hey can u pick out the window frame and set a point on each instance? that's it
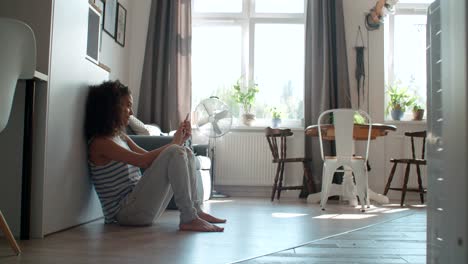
(247, 19)
(415, 9)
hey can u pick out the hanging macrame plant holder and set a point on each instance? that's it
(360, 73)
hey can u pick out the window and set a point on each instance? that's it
(258, 41)
(406, 49)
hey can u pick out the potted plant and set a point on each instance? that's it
(246, 98)
(275, 117)
(418, 111)
(359, 119)
(400, 98)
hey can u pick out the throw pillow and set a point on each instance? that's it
(153, 130)
(142, 129)
(137, 126)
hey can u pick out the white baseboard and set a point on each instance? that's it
(265, 191)
(253, 191)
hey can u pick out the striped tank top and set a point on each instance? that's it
(113, 182)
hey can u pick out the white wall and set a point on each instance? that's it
(126, 63)
(68, 197)
(114, 55)
(395, 144)
(375, 78)
(138, 27)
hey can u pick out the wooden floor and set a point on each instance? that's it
(398, 241)
(257, 231)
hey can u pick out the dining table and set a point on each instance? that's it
(347, 189)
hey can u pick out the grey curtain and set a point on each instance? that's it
(326, 70)
(165, 92)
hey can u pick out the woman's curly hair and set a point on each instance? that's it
(103, 109)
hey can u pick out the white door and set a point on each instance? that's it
(447, 140)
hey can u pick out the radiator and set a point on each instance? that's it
(244, 159)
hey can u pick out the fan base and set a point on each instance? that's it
(217, 195)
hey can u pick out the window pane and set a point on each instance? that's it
(410, 53)
(279, 6)
(217, 6)
(279, 69)
(216, 61)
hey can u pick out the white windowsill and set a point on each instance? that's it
(260, 128)
(406, 122)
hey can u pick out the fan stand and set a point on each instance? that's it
(214, 194)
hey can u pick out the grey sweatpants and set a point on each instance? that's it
(172, 172)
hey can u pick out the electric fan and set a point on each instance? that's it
(213, 119)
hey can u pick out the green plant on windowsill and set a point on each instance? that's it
(275, 117)
(246, 98)
(400, 99)
(418, 111)
(275, 113)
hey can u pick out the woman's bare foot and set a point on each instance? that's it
(211, 219)
(200, 225)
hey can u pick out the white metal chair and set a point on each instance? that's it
(17, 61)
(343, 123)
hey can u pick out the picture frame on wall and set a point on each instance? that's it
(100, 5)
(94, 33)
(120, 24)
(110, 13)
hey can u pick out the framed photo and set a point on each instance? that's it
(120, 24)
(94, 34)
(100, 5)
(110, 12)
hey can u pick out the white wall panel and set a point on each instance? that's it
(68, 197)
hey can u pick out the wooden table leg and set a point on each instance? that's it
(9, 236)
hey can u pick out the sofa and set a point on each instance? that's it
(202, 162)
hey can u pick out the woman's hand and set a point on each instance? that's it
(187, 129)
(178, 138)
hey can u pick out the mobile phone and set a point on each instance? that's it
(187, 117)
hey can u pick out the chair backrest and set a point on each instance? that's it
(278, 150)
(343, 122)
(418, 134)
(17, 61)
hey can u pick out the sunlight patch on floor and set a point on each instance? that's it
(286, 215)
(345, 216)
(376, 210)
(419, 205)
(385, 210)
(219, 201)
(391, 211)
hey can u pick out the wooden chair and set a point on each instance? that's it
(413, 161)
(277, 141)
